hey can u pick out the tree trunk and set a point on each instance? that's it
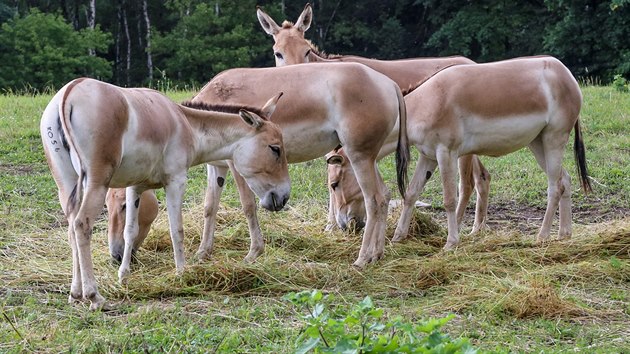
(128, 39)
(118, 40)
(90, 14)
(145, 11)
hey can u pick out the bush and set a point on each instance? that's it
(365, 329)
(620, 83)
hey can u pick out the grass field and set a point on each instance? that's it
(507, 294)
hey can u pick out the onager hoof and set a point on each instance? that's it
(74, 298)
(541, 240)
(329, 227)
(253, 255)
(203, 256)
(398, 238)
(97, 303)
(564, 236)
(477, 229)
(360, 263)
(450, 246)
(123, 275)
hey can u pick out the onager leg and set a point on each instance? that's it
(549, 151)
(82, 223)
(132, 199)
(174, 198)
(482, 185)
(332, 211)
(248, 202)
(376, 205)
(447, 160)
(466, 185)
(472, 174)
(216, 180)
(565, 230)
(424, 171)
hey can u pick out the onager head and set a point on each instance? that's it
(116, 209)
(346, 196)
(290, 45)
(261, 159)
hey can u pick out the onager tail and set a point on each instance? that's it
(580, 159)
(77, 193)
(402, 150)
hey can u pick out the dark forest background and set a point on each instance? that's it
(184, 43)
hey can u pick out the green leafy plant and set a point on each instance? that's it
(364, 328)
(620, 83)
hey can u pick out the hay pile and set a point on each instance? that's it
(496, 271)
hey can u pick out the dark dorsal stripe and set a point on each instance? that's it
(224, 108)
(410, 89)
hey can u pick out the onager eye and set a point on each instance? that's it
(307, 53)
(334, 185)
(279, 55)
(275, 149)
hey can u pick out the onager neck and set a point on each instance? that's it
(215, 134)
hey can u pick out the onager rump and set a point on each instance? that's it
(290, 47)
(494, 109)
(325, 105)
(97, 135)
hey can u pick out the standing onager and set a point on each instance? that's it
(291, 47)
(97, 135)
(325, 105)
(116, 209)
(494, 109)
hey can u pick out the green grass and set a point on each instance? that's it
(508, 295)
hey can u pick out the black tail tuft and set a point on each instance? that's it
(579, 153)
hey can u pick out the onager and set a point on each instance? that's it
(346, 202)
(116, 209)
(97, 135)
(291, 47)
(494, 109)
(325, 105)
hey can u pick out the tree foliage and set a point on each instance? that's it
(209, 39)
(42, 50)
(45, 42)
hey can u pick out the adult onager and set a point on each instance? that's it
(97, 135)
(325, 105)
(291, 47)
(494, 109)
(116, 203)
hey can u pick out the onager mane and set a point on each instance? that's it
(223, 108)
(411, 88)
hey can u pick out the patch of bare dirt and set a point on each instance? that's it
(16, 170)
(527, 219)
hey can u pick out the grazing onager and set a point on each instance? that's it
(116, 210)
(291, 47)
(325, 105)
(347, 206)
(494, 109)
(97, 135)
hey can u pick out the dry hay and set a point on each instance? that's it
(498, 272)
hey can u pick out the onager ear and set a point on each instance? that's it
(334, 159)
(306, 17)
(270, 106)
(251, 118)
(268, 24)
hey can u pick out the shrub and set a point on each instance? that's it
(364, 329)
